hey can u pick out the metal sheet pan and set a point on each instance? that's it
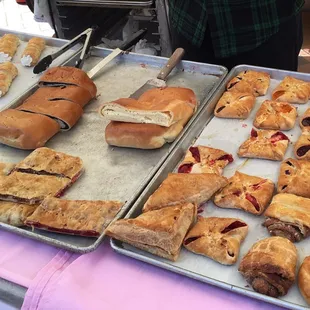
(26, 78)
(108, 3)
(227, 135)
(114, 173)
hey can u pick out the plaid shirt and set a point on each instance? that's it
(235, 26)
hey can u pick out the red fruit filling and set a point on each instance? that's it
(226, 157)
(257, 185)
(237, 193)
(252, 200)
(234, 225)
(186, 168)
(195, 153)
(278, 136)
(254, 133)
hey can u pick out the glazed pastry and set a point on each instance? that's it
(31, 188)
(294, 177)
(304, 279)
(6, 168)
(292, 90)
(302, 146)
(265, 144)
(8, 47)
(249, 193)
(305, 121)
(235, 104)
(15, 214)
(8, 72)
(217, 238)
(32, 52)
(182, 187)
(256, 81)
(75, 217)
(160, 232)
(288, 216)
(275, 115)
(46, 161)
(203, 159)
(270, 266)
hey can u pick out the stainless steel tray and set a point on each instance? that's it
(227, 135)
(114, 173)
(108, 3)
(26, 78)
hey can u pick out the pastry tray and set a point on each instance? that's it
(26, 78)
(113, 173)
(227, 135)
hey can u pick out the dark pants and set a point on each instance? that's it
(280, 51)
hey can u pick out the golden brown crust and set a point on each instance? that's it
(160, 232)
(235, 104)
(182, 187)
(26, 130)
(66, 113)
(72, 93)
(217, 238)
(265, 144)
(9, 44)
(47, 161)
(68, 76)
(31, 188)
(249, 193)
(294, 177)
(77, 217)
(275, 115)
(270, 266)
(292, 90)
(290, 210)
(8, 73)
(203, 159)
(305, 121)
(246, 81)
(302, 146)
(6, 168)
(304, 279)
(141, 136)
(34, 49)
(15, 214)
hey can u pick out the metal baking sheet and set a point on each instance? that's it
(227, 135)
(109, 3)
(26, 78)
(113, 173)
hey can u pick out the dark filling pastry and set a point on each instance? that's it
(306, 121)
(286, 230)
(254, 133)
(226, 157)
(189, 240)
(220, 109)
(31, 201)
(303, 150)
(40, 172)
(234, 225)
(195, 153)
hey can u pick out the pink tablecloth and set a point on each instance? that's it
(104, 280)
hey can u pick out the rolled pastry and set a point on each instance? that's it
(302, 146)
(8, 73)
(305, 121)
(270, 266)
(32, 52)
(8, 47)
(304, 279)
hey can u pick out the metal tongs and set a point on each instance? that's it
(86, 37)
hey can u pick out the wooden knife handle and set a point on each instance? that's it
(172, 62)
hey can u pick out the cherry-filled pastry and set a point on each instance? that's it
(288, 216)
(203, 159)
(249, 193)
(265, 144)
(270, 266)
(217, 238)
(294, 177)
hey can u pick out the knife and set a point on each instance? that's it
(160, 80)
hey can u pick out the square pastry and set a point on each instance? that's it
(302, 146)
(235, 104)
(305, 121)
(294, 177)
(160, 232)
(203, 159)
(288, 216)
(265, 144)
(217, 238)
(292, 90)
(275, 115)
(256, 81)
(249, 193)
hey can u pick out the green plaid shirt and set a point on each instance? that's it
(235, 26)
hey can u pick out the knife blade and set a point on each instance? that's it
(160, 80)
